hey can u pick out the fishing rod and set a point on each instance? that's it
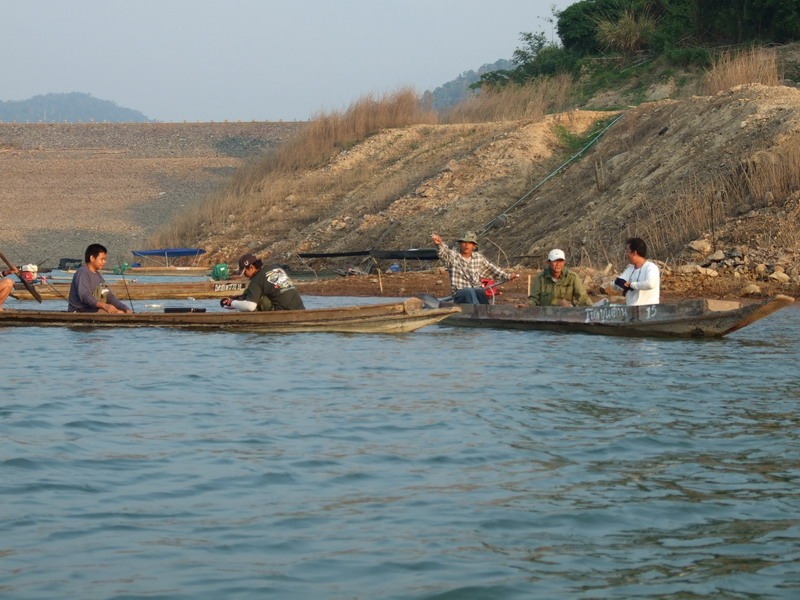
(125, 281)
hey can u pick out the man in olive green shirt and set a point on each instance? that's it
(557, 285)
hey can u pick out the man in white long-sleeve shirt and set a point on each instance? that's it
(641, 281)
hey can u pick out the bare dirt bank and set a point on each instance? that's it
(67, 185)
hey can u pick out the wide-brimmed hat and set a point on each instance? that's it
(245, 261)
(556, 254)
(468, 236)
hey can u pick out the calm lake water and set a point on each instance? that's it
(447, 463)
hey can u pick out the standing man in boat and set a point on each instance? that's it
(640, 282)
(6, 284)
(268, 289)
(88, 291)
(558, 286)
(467, 267)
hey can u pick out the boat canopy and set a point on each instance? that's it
(414, 253)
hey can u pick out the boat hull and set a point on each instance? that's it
(690, 318)
(144, 291)
(397, 317)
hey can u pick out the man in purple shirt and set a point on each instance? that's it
(89, 292)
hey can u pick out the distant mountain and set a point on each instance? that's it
(453, 92)
(74, 107)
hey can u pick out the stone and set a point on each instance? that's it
(716, 256)
(779, 276)
(750, 290)
(700, 246)
(761, 268)
(687, 269)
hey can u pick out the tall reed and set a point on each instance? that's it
(732, 68)
(261, 185)
(532, 100)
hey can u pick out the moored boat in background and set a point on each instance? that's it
(125, 290)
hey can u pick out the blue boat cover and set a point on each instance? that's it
(169, 252)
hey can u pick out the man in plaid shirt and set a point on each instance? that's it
(467, 267)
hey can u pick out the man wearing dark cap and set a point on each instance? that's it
(467, 268)
(268, 289)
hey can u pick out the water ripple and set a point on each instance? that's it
(444, 464)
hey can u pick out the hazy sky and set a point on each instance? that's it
(243, 60)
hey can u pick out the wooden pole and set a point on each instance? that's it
(529, 285)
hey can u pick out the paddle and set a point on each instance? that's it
(25, 282)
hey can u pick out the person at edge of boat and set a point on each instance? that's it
(556, 285)
(6, 284)
(88, 291)
(268, 289)
(640, 282)
(467, 267)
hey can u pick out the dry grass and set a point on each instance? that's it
(266, 185)
(511, 103)
(729, 69)
(769, 178)
(283, 191)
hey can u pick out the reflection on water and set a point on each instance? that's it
(443, 463)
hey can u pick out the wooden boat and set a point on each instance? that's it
(169, 271)
(143, 291)
(398, 317)
(690, 318)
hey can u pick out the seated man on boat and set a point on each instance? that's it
(7, 284)
(268, 289)
(556, 285)
(89, 291)
(467, 267)
(640, 282)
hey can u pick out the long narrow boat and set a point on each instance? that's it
(166, 271)
(397, 317)
(690, 318)
(143, 291)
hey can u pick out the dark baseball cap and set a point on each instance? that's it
(245, 261)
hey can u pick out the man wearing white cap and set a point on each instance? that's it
(558, 286)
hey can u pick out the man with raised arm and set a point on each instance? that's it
(467, 267)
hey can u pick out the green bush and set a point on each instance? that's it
(686, 57)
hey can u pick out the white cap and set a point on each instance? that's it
(556, 254)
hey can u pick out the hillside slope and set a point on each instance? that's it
(666, 171)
